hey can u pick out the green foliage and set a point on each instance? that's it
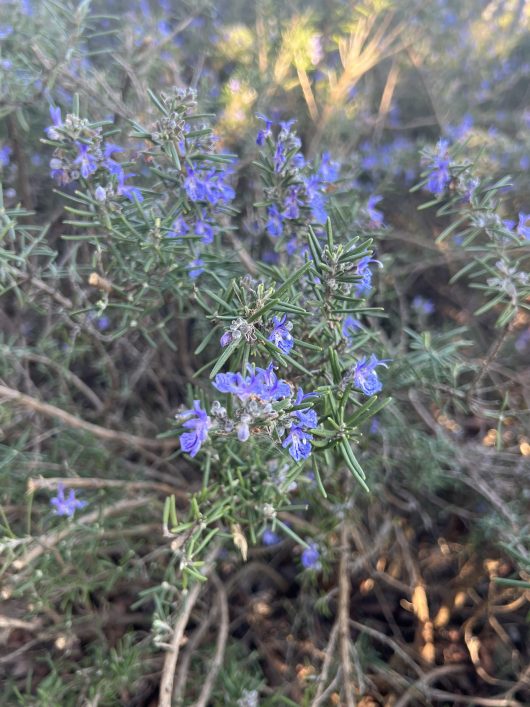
(149, 269)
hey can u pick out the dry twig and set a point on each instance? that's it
(222, 637)
(344, 616)
(77, 423)
(170, 661)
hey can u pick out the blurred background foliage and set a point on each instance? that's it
(436, 546)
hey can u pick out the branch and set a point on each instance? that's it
(330, 650)
(79, 424)
(344, 617)
(170, 661)
(222, 637)
(89, 483)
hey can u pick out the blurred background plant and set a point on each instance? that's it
(166, 248)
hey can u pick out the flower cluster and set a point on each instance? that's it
(254, 395)
(262, 383)
(180, 145)
(82, 152)
(298, 192)
(201, 175)
(397, 157)
(208, 185)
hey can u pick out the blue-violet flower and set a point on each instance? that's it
(66, 506)
(199, 423)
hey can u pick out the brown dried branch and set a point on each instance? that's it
(77, 423)
(222, 638)
(329, 655)
(90, 483)
(344, 616)
(170, 661)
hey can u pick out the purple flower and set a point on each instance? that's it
(522, 341)
(440, 176)
(263, 133)
(299, 443)
(292, 203)
(179, 227)
(275, 222)
(292, 246)
(269, 386)
(260, 382)
(311, 557)
(87, 162)
(328, 170)
(422, 305)
(376, 217)
(279, 157)
(365, 376)
(58, 172)
(208, 186)
(318, 209)
(243, 429)
(301, 396)
(523, 227)
(100, 193)
(114, 168)
(438, 180)
(307, 417)
(205, 230)
(110, 148)
(285, 127)
(226, 338)
(195, 268)
(127, 190)
(199, 423)
(316, 199)
(349, 326)
(269, 537)
(363, 270)
(5, 153)
(280, 335)
(298, 161)
(103, 322)
(5, 31)
(194, 186)
(57, 122)
(66, 506)
(232, 383)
